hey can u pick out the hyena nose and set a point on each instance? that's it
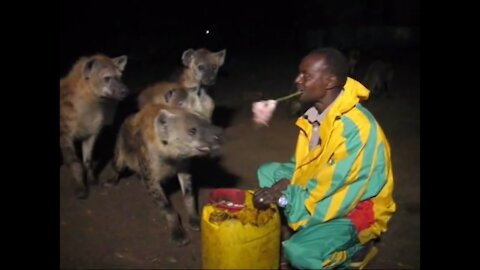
(218, 137)
(125, 90)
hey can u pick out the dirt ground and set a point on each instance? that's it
(121, 227)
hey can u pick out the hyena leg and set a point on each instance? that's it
(111, 173)
(87, 149)
(177, 232)
(187, 190)
(71, 160)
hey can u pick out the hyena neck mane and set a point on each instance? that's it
(184, 76)
(76, 74)
(187, 78)
(79, 86)
(76, 81)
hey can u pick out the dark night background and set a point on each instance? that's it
(160, 29)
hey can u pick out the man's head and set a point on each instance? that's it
(322, 71)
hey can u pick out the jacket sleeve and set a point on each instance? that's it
(271, 173)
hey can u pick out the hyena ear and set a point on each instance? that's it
(169, 95)
(87, 70)
(120, 62)
(165, 117)
(221, 56)
(187, 57)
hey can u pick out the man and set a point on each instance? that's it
(336, 193)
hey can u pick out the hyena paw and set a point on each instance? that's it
(81, 193)
(179, 236)
(109, 183)
(194, 223)
(92, 179)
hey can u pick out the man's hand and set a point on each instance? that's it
(265, 196)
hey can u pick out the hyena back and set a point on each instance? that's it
(174, 94)
(155, 143)
(82, 92)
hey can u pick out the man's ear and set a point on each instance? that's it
(332, 81)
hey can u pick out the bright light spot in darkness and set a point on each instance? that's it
(207, 32)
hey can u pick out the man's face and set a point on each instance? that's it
(313, 78)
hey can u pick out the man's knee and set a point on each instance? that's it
(295, 255)
(265, 174)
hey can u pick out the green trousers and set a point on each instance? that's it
(314, 246)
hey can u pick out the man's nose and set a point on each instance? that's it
(298, 78)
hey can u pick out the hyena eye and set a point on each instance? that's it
(107, 78)
(201, 67)
(192, 131)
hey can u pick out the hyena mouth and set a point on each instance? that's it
(120, 93)
(121, 96)
(204, 149)
(116, 90)
(209, 82)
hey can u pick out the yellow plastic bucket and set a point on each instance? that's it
(238, 236)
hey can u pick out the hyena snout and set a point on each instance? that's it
(215, 140)
(211, 81)
(209, 78)
(211, 140)
(119, 90)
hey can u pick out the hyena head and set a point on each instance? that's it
(104, 74)
(204, 64)
(176, 95)
(183, 134)
(171, 94)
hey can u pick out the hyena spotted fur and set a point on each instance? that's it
(175, 95)
(90, 82)
(155, 143)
